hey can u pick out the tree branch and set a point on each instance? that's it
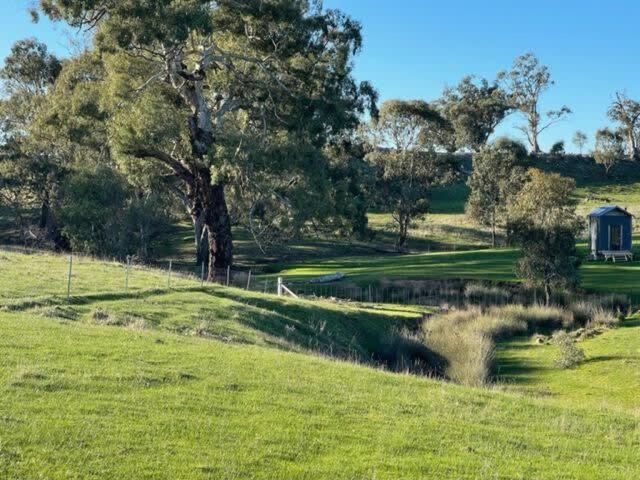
(173, 163)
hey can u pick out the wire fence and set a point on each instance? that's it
(456, 293)
(75, 275)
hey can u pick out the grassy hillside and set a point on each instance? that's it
(610, 377)
(83, 401)
(37, 283)
(218, 383)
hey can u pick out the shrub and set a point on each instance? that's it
(602, 318)
(582, 311)
(530, 319)
(569, 355)
(404, 351)
(467, 354)
(460, 338)
(480, 293)
(616, 302)
(102, 214)
(600, 312)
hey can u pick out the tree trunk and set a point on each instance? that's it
(200, 238)
(493, 228)
(48, 223)
(403, 227)
(218, 225)
(631, 145)
(535, 147)
(547, 294)
(45, 211)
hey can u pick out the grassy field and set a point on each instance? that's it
(610, 378)
(37, 283)
(173, 380)
(486, 264)
(219, 383)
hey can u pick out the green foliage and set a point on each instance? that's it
(30, 171)
(498, 174)
(474, 109)
(569, 355)
(101, 214)
(580, 139)
(406, 160)
(557, 149)
(236, 99)
(29, 67)
(609, 148)
(544, 224)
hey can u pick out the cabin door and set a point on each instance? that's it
(615, 237)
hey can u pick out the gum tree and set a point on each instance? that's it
(526, 82)
(407, 163)
(475, 108)
(609, 148)
(497, 176)
(544, 225)
(29, 172)
(626, 112)
(193, 83)
(580, 140)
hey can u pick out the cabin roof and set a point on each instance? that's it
(605, 210)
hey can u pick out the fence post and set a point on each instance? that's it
(202, 275)
(69, 278)
(228, 274)
(126, 275)
(169, 274)
(249, 280)
(279, 286)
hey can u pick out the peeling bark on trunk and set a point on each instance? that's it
(208, 206)
(219, 235)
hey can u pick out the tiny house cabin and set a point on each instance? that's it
(610, 232)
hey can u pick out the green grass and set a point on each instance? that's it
(486, 264)
(97, 402)
(161, 398)
(228, 314)
(609, 378)
(480, 264)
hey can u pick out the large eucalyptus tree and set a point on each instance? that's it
(180, 72)
(525, 83)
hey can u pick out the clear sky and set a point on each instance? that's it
(413, 48)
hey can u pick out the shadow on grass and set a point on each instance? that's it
(368, 337)
(631, 323)
(50, 301)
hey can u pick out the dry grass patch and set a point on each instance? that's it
(465, 339)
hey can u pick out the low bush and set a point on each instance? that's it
(569, 355)
(602, 318)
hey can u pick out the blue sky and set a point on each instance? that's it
(413, 48)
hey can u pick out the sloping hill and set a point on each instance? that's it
(133, 385)
(87, 402)
(37, 283)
